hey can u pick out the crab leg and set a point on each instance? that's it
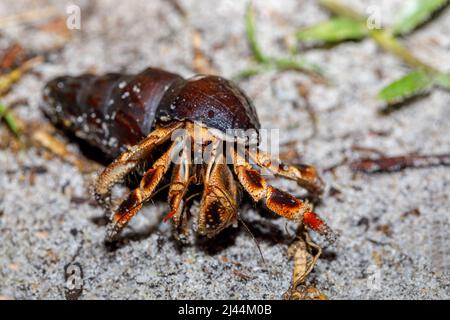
(278, 201)
(305, 176)
(138, 196)
(221, 195)
(181, 179)
(128, 160)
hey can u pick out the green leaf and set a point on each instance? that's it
(416, 12)
(296, 64)
(266, 62)
(334, 30)
(9, 120)
(250, 72)
(406, 87)
(280, 64)
(251, 34)
(443, 80)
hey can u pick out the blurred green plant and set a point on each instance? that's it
(405, 87)
(9, 119)
(266, 62)
(348, 24)
(6, 82)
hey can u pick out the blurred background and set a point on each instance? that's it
(324, 73)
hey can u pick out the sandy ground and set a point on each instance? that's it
(383, 252)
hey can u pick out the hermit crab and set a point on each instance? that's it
(163, 122)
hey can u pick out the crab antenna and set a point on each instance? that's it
(253, 237)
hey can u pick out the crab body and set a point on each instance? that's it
(115, 110)
(129, 117)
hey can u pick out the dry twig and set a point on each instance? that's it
(393, 164)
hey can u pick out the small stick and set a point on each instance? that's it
(46, 139)
(178, 8)
(27, 16)
(7, 80)
(375, 151)
(11, 56)
(393, 164)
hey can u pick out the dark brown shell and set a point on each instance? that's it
(211, 100)
(109, 111)
(116, 110)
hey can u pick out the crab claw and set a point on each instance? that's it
(312, 221)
